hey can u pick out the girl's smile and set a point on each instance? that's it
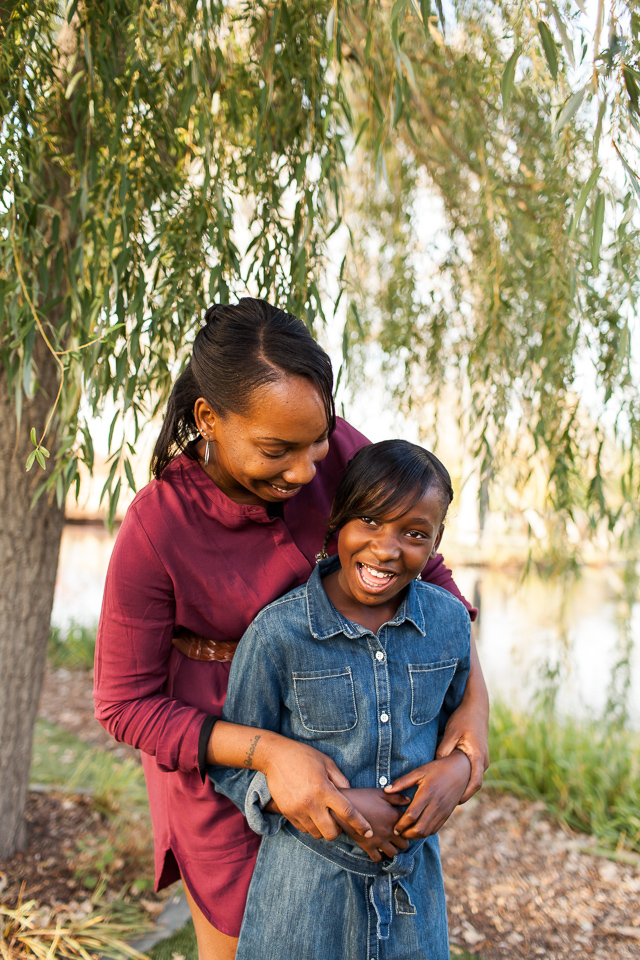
(380, 556)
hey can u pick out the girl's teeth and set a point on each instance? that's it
(377, 573)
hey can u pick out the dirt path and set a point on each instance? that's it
(517, 885)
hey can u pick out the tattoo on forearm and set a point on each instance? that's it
(248, 760)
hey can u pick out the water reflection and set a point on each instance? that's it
(523, 629)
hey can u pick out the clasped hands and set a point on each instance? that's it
(440, 785)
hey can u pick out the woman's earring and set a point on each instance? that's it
(206, 454)
(419, 577)
(321, 556)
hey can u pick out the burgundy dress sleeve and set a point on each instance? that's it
(436, 572)
(132, 655)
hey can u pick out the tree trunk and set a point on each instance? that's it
(29, 547)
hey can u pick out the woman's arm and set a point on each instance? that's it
(468, 726)
(303, 782)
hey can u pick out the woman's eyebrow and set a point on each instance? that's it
(287, 443)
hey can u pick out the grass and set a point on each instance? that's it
(72, 647)
(63, 760)
(27, 933)
(183, 943)
(120, 854)
(587, 774)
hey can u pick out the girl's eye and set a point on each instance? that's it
(272, 456)
(417, 535)
(368, 520)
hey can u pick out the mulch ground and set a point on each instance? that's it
(517, 885)
(44, 871)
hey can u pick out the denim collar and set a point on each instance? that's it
(325, 621)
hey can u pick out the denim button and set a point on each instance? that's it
(384, 717)
(379, 655)
(383, 781)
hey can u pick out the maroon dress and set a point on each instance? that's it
(188, 556)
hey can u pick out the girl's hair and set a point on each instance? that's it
(240, 348)
(387, 479)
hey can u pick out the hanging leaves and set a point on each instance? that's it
(596, 236)
(549, 47)
(508, 76)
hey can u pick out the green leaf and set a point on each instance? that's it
(73, 83)
(582, 199)
(508, 75)
(113, 504)
(44, 451)
(331, 23)
(33, 437)
(129, 473)
(40, 458)
(30, 460)
(598, 223)
(562, 30)
(549, 46)
(569, 110)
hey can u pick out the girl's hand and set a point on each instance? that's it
(310, 791)
(440, 784)
(382, 813)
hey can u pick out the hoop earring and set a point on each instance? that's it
(206, 454)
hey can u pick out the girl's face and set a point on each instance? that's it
(270, 452)
(379, 558)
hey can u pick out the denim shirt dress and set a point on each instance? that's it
(377, 704)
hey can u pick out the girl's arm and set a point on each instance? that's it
(468, 727)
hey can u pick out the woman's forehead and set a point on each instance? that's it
(288, 409)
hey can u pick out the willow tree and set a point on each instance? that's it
(140, 141)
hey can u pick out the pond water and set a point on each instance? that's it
(524, 630)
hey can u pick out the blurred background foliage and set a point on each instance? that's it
(460, 180)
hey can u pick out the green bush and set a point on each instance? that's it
(587, 773)
(72, 647)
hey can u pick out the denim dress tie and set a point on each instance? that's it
(388, 876)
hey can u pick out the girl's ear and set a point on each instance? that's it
(436, 542)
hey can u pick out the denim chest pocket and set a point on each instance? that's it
(326, 700)
(429, 684)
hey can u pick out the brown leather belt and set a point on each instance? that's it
(199, 648)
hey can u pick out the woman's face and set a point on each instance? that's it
(271, 450)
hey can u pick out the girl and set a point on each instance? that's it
(366, 664)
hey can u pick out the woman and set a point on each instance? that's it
(246, 467)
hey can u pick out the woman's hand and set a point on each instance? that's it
(310, 791)
(440, 785)
(382, 813)
(468, 727)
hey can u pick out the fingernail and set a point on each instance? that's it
(369, 833)
(396, 833)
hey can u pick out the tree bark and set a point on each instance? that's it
(29, 548)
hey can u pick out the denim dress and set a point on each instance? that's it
(377, 704)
